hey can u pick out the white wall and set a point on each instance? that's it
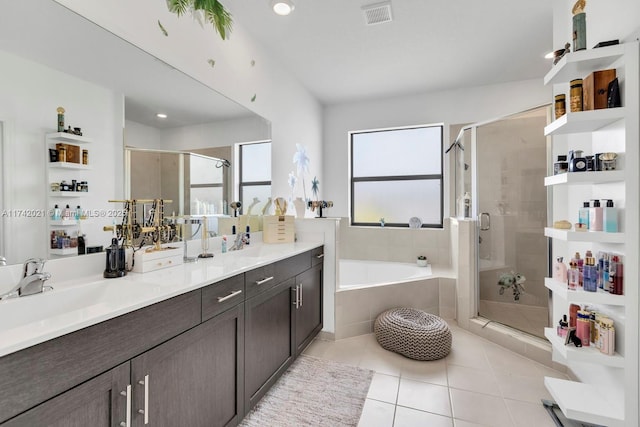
(29, 96)
(295, 115)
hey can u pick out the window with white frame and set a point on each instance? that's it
(255, 176)
(397, 174)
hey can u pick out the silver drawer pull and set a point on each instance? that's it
(300, 295)
(231, 295)
(145, 411)
(297, 298)
(263, 281)
(319, 256)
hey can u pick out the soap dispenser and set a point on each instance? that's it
(595, 216)
(610, 218)
(583, 215)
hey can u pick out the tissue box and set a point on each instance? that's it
(278, 229)
(148, 259)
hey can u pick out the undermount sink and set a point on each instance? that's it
(22, 311)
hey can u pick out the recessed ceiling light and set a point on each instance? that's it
(161, 116)
(282, 7)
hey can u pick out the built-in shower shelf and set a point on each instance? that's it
(584, 121)
(584, 236)
(586, 402)
(582, 354)
(582, 297)
(69, 137)
(585, 178)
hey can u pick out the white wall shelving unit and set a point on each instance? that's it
(606, 387)
(57, 171)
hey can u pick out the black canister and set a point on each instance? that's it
(597, 164)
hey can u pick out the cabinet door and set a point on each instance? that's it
(268, 339)
(309, 312)
(193, 379)
(97, 403)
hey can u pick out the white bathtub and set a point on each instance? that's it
(359, 274)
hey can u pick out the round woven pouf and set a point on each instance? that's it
(413, 333)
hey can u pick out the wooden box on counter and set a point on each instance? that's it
(278, 229)
(595, 89)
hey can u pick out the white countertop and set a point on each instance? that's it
(86, 301)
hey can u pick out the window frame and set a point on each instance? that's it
(241, 183)
(395, 178)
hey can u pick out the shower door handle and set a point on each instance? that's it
(485, 221)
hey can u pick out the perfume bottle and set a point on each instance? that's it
(577, 162)
(573, 276)
(560, 270)
(590, 273)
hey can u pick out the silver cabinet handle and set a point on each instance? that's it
(297, 299)
(127, 394)
(319, 256)
(231, 295)
(145, 411)
(300, 294)
(265, 280)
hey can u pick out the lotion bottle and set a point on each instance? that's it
(56, 213)
(610, 218)
(573, 276)
(595, 216)
(560, 270)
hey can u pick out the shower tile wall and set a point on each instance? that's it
(395, 244)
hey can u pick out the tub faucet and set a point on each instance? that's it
(32, 281)
(241, 239)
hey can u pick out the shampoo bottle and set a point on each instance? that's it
(560, 270)
(590, 281)
(583, 215)
(595, 216)
(610, 218)
(56, 213)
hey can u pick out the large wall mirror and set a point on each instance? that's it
(113, 91)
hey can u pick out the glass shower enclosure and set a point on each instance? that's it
(503, 167)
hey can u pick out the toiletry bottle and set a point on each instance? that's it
(605, 271)
(609, 217)
(78, 212)
(573, 315)
(600, 268)
(562, 326)
(66, 213)
(595, 216)
(608, 332)
(579, 264)
(560, 270)
(615, 275)
(248, 239)
(590, 280)
(573, 276)
(56, 213)
(224, 244)
(561, 166)
(578, 163)
(583, 327)
(583, 214)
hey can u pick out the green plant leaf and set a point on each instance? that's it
(179, 7)
(162, 29)
(253, 98)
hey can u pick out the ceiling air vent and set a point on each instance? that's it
(377, 13)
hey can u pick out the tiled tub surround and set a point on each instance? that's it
(357, 309)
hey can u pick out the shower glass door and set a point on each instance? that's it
(511, 202)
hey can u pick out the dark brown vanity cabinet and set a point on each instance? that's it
(199, 359)
(281, 319)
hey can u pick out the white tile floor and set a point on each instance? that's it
(478, 384)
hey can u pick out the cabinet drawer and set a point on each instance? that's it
(317, 256)
(260, 279)
(221, 296)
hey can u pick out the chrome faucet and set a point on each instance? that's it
(241, 239)
(32, 281)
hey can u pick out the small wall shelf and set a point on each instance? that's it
(584, 236)
(585, 402)
(68, 194)
(64, 222)
(585, 178)
(583, 62)
(582, 354)
(582, 297)
(584, 121)
(68, 165)
(69, 137)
